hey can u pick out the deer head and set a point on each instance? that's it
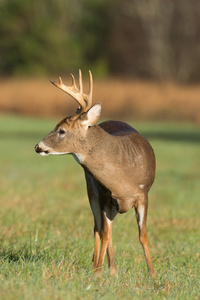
(71, 133)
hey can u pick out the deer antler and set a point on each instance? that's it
(84, 100)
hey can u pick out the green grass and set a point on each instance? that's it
(46, 242)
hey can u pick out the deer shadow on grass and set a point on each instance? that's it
(17, 253)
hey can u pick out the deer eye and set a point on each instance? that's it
(61, 131)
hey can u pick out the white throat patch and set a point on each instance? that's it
(79, 157)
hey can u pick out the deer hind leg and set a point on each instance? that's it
(141, 215)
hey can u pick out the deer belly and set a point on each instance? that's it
(124, 204)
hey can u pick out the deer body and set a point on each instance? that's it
(122, 161)
(119, 167)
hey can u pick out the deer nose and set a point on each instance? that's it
(38, 149)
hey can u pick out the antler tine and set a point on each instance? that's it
(73, 91)
(87, 97)
(84, 100)
(80, 82)
(73, 82)
(90, 90)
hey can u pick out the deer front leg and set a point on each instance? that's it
(111, 213)
(106, 234)
(96, 246)
(108, 214)
(94, 202)
(110, 254)
(93, 195)
(141, 214)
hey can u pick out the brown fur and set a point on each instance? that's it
(119, 166)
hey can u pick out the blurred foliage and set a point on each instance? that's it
(51, 36)
(156, 39)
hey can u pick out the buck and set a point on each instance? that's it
(119, 166)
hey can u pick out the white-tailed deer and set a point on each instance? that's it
(119, 167)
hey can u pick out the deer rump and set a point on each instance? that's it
(116, 180)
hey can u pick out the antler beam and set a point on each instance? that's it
(84, 100)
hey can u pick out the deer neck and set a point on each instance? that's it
(99, 160)
(93, 153)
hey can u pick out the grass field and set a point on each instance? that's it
(46, 243)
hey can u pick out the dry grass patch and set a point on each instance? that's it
(120, 99)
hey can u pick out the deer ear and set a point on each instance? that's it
(91, 116)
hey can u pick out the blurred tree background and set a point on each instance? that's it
(145, 39)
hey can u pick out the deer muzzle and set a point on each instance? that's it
(40, 150)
